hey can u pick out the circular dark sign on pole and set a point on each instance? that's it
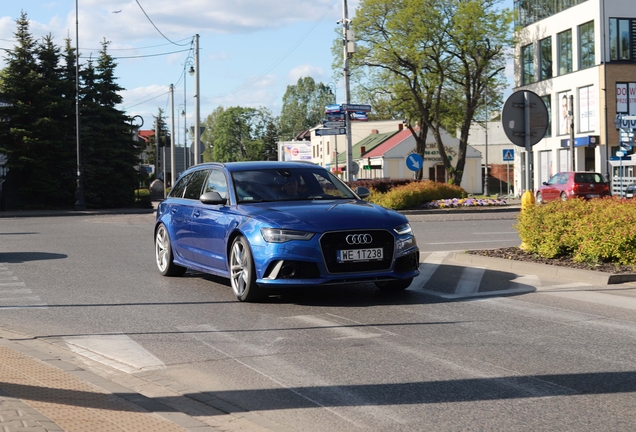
(513, 118)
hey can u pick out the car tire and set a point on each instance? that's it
(396, 285)
(242, 273)
(539, 198)
(564, 196)
(163, 254)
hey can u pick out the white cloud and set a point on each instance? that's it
(306, 70)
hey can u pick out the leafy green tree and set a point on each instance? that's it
(303, 107)
(207, 137)
(238, 134)
(430, 62)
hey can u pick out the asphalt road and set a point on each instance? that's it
(560, 356)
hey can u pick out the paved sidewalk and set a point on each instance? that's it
(39, 391)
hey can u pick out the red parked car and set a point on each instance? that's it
(567, 185)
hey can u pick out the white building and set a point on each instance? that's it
(579, 56)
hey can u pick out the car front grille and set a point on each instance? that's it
(407, 263)
(332, 242)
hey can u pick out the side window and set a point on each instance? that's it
(177, 190)
(217, 183)
(195, 185)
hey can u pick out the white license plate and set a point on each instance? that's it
(628, 195)
(592, 195)
(353, 255)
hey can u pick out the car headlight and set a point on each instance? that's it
(277, 235)
(403, 229)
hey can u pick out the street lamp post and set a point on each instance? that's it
(486, 191)
(79, 191)
(194, 71)
(332, 90)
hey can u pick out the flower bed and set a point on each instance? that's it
(462, 202)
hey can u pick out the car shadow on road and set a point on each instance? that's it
(22, 257)
(437, 283)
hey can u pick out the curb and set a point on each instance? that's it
(558, 272)
(55, 213)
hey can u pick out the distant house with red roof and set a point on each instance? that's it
(385, 148)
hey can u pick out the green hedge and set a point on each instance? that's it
(414, 194)
(594, 231)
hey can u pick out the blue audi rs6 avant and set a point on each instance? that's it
(280, 224)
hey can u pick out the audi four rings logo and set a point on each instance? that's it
(359, 239)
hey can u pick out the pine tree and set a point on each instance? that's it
(54, 131)
(270, 142)
(110, 153)
(20, 86)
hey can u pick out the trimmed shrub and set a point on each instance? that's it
(380, 185)
(414, 194)
(599, 230)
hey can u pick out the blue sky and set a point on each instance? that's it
(250, 50)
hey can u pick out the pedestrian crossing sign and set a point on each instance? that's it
(508, 155)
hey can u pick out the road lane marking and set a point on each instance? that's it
(596, 298)
(118, 351)
(470, 281)
(428, 267)
(343, 330)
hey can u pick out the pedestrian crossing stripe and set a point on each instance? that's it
(508, 155)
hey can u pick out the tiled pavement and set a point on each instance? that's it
(37, 396)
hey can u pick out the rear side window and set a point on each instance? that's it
(195, 185)
(177, 190)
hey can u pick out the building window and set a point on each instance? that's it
(548, 104)
(620, 39)
(586, 45)
(545, 61)
(587, 109)
(564, 39)
(564, 113)
(527, 56)
(531, 11)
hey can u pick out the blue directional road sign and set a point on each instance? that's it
(414, 162)
(508, 155)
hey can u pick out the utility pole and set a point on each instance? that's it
(173, 164)
(486, 191)
(197, 102)
(573, 167)
(79, 191)
(346, 76)
(157, 148)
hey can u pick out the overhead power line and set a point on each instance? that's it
(156, 28)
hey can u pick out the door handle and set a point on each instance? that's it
(196, 213)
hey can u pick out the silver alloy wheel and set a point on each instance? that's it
(162, 249)
(239, 268)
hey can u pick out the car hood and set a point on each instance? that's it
(320, 216)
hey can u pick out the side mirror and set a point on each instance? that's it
(212, 198)
(362, 192)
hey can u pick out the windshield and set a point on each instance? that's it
(288, 184)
